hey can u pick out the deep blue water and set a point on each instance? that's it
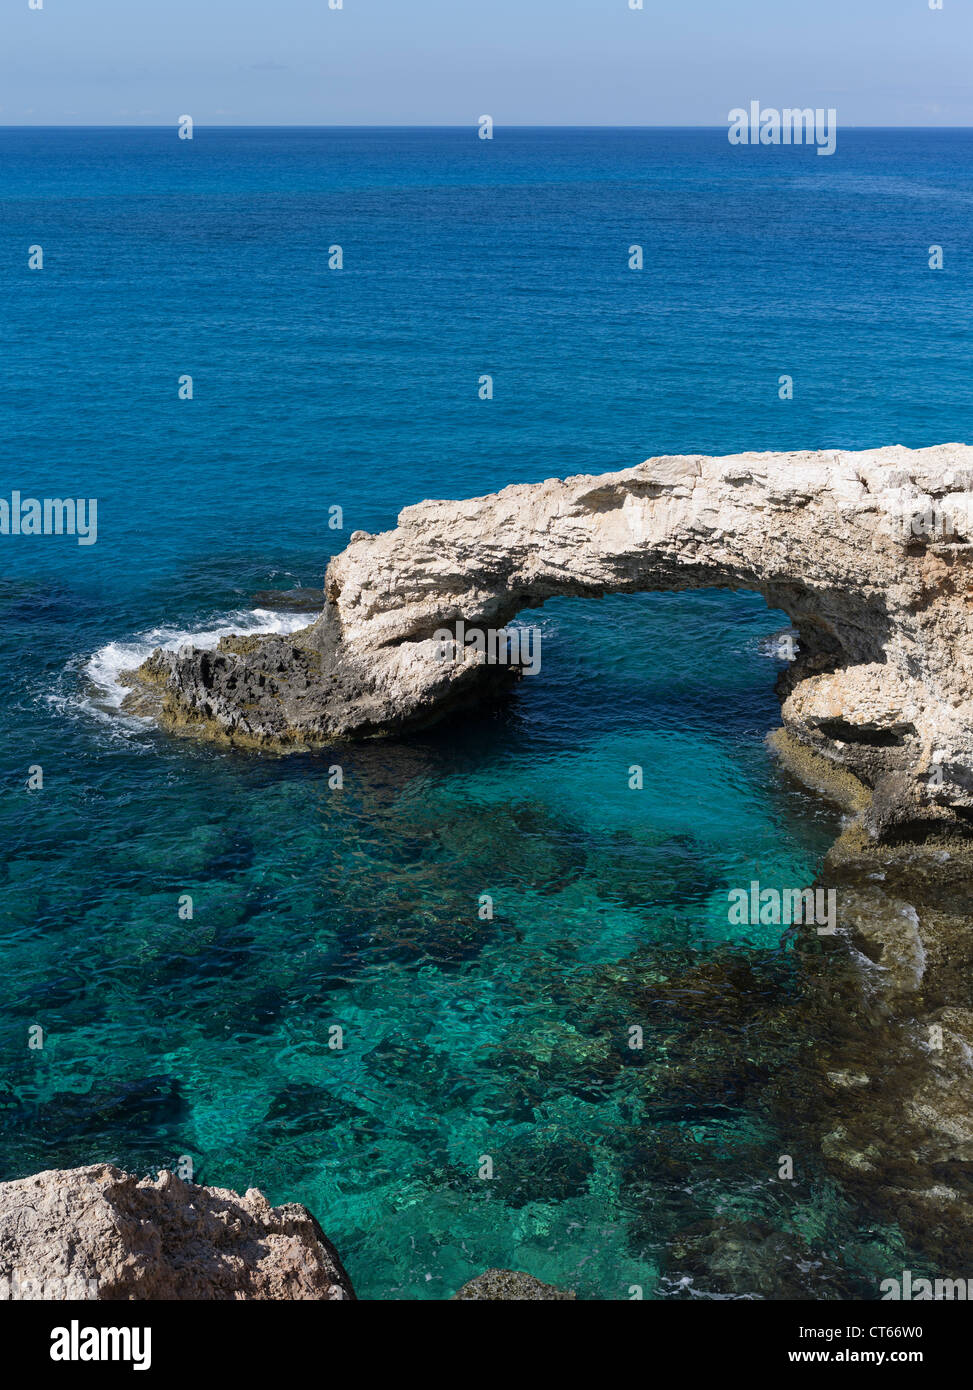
(358, 388)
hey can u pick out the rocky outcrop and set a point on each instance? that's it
(510, 1284)
(870, 554)
(98, 1233)
(884, 1086)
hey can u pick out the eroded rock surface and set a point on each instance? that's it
(504, 1284)
(98, 1233)
(886, 1091)
(870, 554)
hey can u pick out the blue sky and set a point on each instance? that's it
(446, 62)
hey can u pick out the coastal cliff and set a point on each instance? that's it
(870, 554)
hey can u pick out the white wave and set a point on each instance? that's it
(101, 671)
(780, 646)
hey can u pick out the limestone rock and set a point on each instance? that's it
(98, 1233)
(498, 1284)
(870, 554)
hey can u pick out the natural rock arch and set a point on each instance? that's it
(868, 553)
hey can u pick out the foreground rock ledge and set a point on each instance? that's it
(98, 1233)
(870, 554)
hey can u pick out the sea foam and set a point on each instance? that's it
(101, 671)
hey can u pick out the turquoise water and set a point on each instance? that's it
(464, 1038)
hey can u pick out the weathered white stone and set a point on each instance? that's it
(883, 683)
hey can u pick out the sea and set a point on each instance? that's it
(246, 346)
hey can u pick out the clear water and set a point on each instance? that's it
(463, 1038)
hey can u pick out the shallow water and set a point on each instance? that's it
(462, 1038)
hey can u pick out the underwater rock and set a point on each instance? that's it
(296, 600)
(537, 1062)
(443, 931)
(749, 1259)
(882, 1085)
(99, 1233)
(149, 1111)
(546, 1164)
(521, 837)
(304, 1110)
(509, 1284)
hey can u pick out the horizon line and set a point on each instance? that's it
(380, 125)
